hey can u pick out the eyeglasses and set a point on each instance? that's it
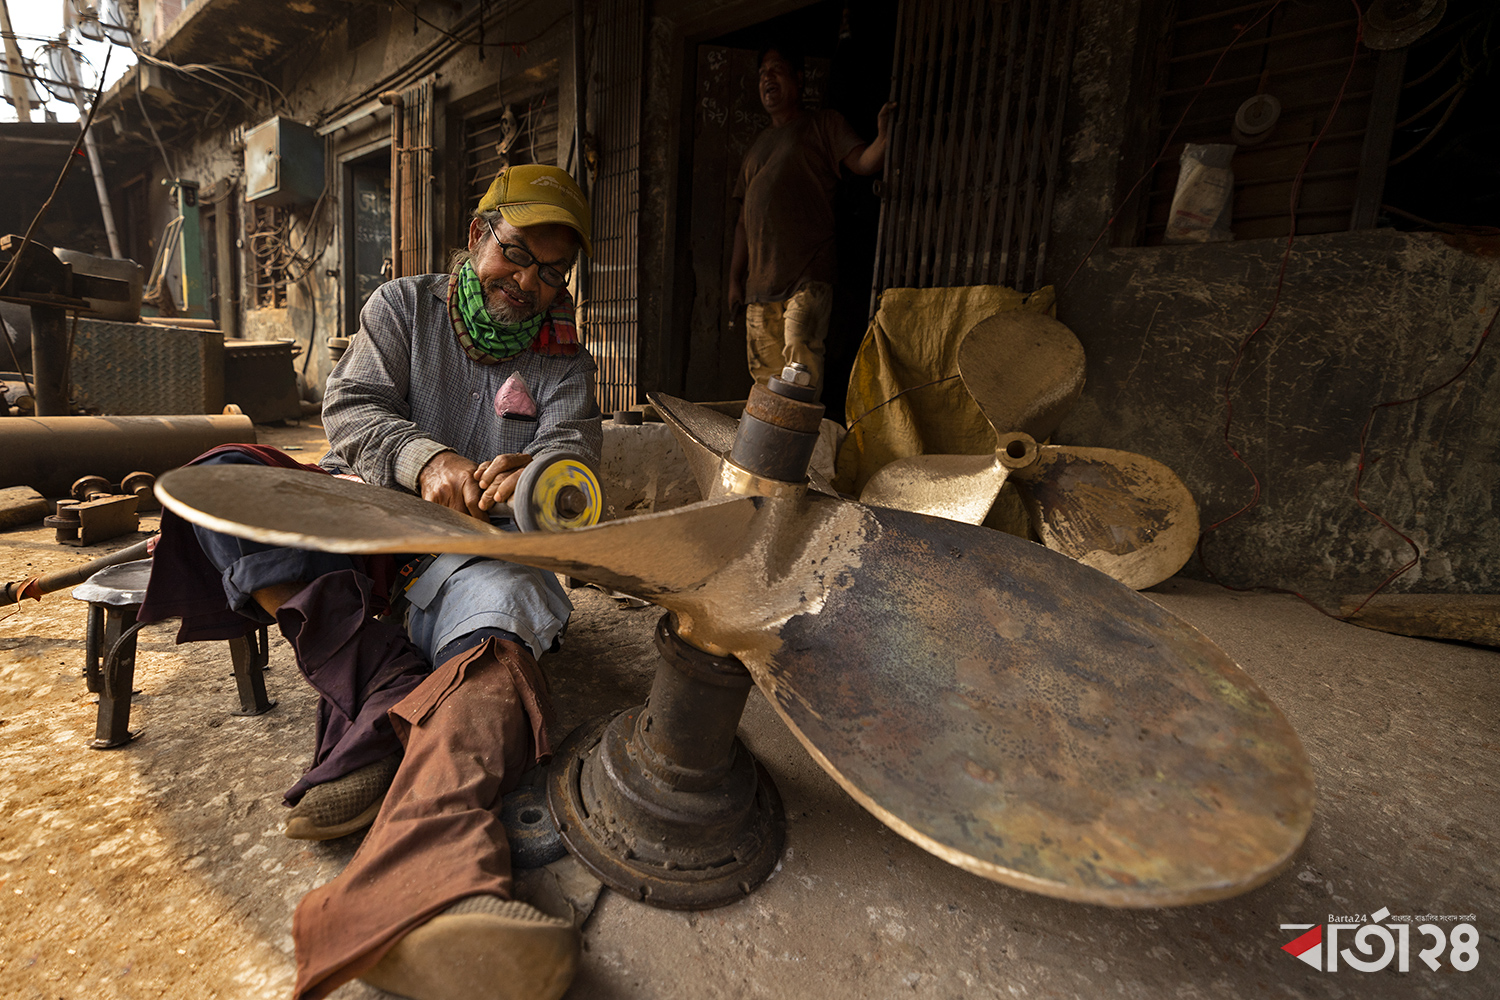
(522, 258)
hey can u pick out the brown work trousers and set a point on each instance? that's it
(470, 730)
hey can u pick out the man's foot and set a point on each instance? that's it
(344, 805)
(482, 948)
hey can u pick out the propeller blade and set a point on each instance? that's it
(649, 556)
(1000, 705)
(705, 435)
(1024, 369)
(958, 487)
(1122, 513)
(1030, 720)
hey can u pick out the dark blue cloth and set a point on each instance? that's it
(250, 566)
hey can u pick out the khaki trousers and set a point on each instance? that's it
(470, 729)
(778, 333)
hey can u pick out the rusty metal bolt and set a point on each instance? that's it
(797, 374)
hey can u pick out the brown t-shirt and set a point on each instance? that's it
(786, 184)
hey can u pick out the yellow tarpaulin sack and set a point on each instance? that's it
(913, 340)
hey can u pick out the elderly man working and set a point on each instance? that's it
(452, 384)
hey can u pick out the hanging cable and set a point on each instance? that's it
(74, 153)
(1244, 344)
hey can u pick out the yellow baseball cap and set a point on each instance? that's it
(531, 194)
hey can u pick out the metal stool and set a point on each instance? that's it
(114, 594)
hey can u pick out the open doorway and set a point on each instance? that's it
(367, 235)
(847, 48)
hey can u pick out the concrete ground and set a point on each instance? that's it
(158, 870)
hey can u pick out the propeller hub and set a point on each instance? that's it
(778, 431)
(1017, 450)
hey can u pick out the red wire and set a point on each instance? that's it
(1359, 475)
(1172, 135)
(1239, 354)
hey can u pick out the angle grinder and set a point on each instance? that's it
(558, 491)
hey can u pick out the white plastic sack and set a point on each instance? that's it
(1205, 189)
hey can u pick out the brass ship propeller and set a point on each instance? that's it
(1008, 709)
(1119, 512)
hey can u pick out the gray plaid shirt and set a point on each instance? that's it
(405, 390)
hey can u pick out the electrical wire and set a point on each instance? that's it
(1245, 343)
(892, 399)
(165, 159)
(74, 153)
(1171, 137)
(479, 43)
(1359, 475)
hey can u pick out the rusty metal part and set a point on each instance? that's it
(1014, 712)
(143, 485)
(785, 404)
(35, 587)
(89, 487)
(1123, 514)
(40, 280)
(530, 829)
(778, 431)
(663, 802)
(49, 453)
(87, 522)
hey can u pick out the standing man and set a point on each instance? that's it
(453, 383)
(783, 265)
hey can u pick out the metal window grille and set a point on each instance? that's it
(973, 159)
(267, 236)
(612, 321)
(1299, 54)
(412, 180)
(523, 131)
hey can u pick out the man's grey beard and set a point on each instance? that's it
(502, 311)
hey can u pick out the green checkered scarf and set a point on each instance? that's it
(499, 340)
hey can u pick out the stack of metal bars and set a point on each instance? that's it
(974, 154)
(612, 326)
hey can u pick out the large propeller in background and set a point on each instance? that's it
(1012, 711)
(1122, 513)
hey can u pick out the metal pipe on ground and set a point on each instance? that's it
(50, 453)
(34, 587)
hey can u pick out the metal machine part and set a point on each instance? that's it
(1009, 709)
(663, 802)
(1121, 513)
(50, 288)
(98, 519)
(533, 836)
(49, 453)
(37, 586)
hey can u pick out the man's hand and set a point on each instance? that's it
(497, 478)
(448, 479)
(736, 294)
(868, 160)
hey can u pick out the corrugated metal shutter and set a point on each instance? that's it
(973, 160)
(612, 323)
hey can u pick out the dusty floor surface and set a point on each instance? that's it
(158, 870)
